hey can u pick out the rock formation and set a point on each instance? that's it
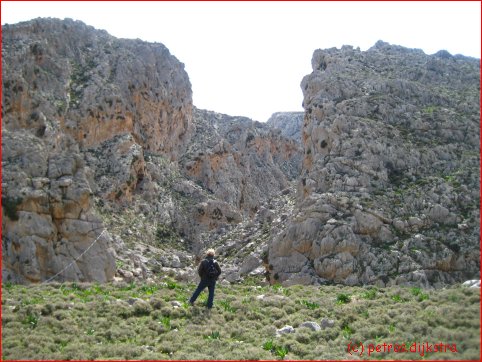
(240, 161)
(290, 124)
(70, 91)
(389, 190)
(99, 133)
(109, 171)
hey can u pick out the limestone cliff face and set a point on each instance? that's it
(68, 76)
(240, 161)
(290, 124)
(98, 133)
(389, 190)
(47, 215)
(79, 109)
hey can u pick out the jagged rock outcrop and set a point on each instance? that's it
(290, 124)
(47, 215)
(240, 161)
(67, 75)
(389, 191)
(79, 109)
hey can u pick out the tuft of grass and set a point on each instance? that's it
(275, 349)
(309, 305)
(31, 319)
(148, 289)
(213, 335)
(166, 322)
(343, 298)
(227, 306)
(171, 284)
(417, 292)
(370, 294)
(347, 331)
(281, 352)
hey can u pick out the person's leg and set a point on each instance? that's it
(211, 287)
(199, 289)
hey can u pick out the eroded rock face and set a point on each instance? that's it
(389, 190)
(101, 134)
(98, 133)
(47, 215)
(290, 124)
(92, 86)
(242, 162)
(79, 110)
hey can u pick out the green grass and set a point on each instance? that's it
(139, 321)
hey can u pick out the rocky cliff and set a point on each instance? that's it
(290, 124)
(242, 162)
(389, 190)
(71, 92)
(100, 134)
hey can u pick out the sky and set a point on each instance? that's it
(248, 58)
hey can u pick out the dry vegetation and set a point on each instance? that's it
(154, 321)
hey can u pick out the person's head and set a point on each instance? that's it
(210, 252)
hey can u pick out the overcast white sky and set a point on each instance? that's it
(248, 58)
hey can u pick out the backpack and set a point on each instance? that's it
(211, 271)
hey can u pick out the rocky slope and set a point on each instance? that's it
(100, 133)
(389, 191)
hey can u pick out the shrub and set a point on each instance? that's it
(310, 305)
(342, 298)
(279, 351)
(165, 233)
(61, 328)
(213, 335)
(31, 319)
(9, 205)
(370, 294)
(141, 308)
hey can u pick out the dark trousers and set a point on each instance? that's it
(211, 285)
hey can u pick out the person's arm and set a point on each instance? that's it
(200, 269)
(218, 268)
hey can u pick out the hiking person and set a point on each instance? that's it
(209, 272)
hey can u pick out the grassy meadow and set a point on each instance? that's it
(154, 321)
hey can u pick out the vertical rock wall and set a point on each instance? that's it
(70, 92)
(389, 190)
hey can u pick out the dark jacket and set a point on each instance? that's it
(203, 268)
